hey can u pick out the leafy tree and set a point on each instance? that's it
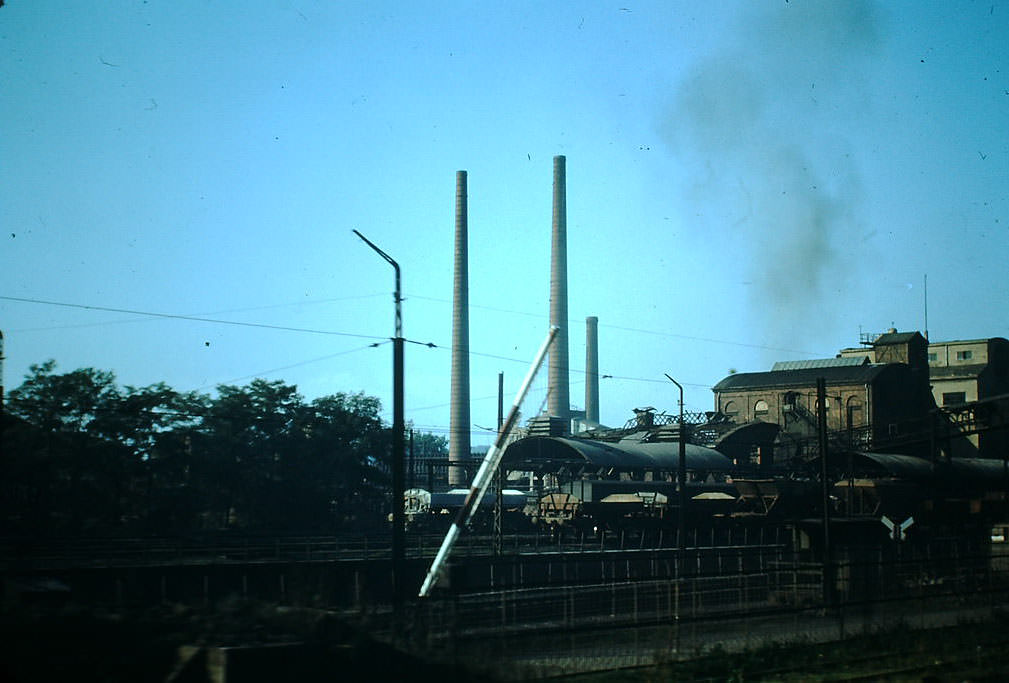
(277, 463)
(246, 433)
(425, 447)
(157, 424)
(350, 443)
(80, 483)
(90, 457)
(66, 403)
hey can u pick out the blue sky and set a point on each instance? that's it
(747, 182)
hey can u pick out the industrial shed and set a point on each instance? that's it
(975, 473)
(545, 453)
(932, 491)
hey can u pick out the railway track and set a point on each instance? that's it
(941, 655)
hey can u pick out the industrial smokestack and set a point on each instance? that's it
(459, 418)
(592, 370)
(1, 379)
(559, 403)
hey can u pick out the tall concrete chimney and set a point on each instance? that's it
(592, 370)
(559, 403)
(1, 379)
(459, 418)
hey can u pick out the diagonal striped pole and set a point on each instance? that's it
(484, 474)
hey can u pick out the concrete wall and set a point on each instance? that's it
(945, 353)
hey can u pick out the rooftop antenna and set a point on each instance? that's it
(926, 306)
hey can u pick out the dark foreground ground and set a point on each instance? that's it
(965, 653)
(235, 642)
(248, 642)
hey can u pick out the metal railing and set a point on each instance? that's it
(749, 601)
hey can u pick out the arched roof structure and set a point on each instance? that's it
(620, 456)
(986, 472)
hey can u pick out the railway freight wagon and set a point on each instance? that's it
(614, 504)
(602, 485)
(432, 510)
(941, 492)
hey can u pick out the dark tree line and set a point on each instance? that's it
(83, 456)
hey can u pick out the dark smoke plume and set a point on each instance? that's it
(774, 181)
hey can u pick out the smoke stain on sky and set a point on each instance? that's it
(755, 124)
(812, 159)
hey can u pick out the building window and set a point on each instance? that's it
(760, 407)
(854, 413)
(964, 355)
(954, 398)
(933, 357)
(730, 409)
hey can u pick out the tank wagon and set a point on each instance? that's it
(429, 510)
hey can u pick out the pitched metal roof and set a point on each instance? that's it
(857, 374)
(847, 361)
(895, 338)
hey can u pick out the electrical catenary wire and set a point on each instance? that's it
(576, 371)
(256, 375)
(193, 318)
(630, 329)
(409, 341)
(383, 340)
(198, 318)
(146, 317)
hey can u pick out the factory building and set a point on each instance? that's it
(893, 391)
(968, 370)
(959, 371)
(868, 402)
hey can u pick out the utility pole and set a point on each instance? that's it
(681, 517)
(821, 424)
(398, 427)
(410, 480)
(681, 475)
(499, 477)
(3, 418)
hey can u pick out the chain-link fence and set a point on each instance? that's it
(700, 601)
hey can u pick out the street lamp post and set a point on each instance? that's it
(821, 434)
(681, 474)
(398, 427)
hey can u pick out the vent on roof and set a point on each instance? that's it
(547, 425)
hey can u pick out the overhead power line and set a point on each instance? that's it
(632, 329)
(309, 302)
(570, 369)
(200, 318)
(193, 318)
(292, 365)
